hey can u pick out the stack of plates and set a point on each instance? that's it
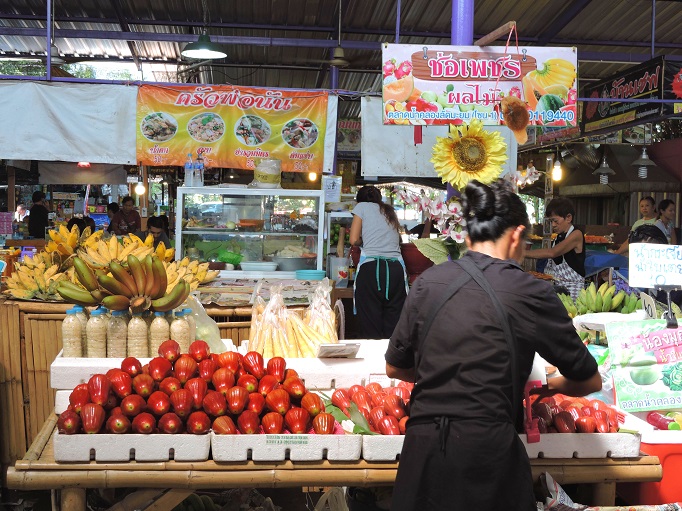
(310, 274)
(258, 266)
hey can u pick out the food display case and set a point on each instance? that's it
(254, 226)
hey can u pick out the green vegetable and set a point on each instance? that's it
(672, 376)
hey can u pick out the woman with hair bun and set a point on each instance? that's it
(466, 337)
(381, 279)
(666, 220)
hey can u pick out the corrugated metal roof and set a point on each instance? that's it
(285, 43)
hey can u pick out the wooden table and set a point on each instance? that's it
(38, 471)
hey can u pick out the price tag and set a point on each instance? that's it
(649, 305)
(340, 350)
(653, 265)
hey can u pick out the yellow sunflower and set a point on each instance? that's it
(469, 152)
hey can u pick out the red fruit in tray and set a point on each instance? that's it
(206, 369)
(118, 424)
(564, 422)
(145, 369)
(69, 422)
(199, 350)
(312, 403)
(248, 422)
(613, 417)
(254, 364)
(237, 397)
(542, 410)
(388, 425)
(99, 387)
(374, 388)
(401, 392)
(587, 411)
(115, 411)
(297, 420)
(249, 382)
(602, 425)
(198, 388)
(256, 402)
(393, 405)
(223, 380)
(159, 403)
(341, 399)
(169, 385)
(230, 360)
(601, 415)
(182, 402)
(132, 366)
(378, 399)
(215, 403)
(295, 387)
(323, 423)
(216, 358)
(144, 423)
(276, 367)
(273, 423)
(406, 384)
(112, 402)
(402, 424)
(121, 382)
(598, 404)
(363, 400)
(170, 350)
(290, 373)
(375, 415)
(78, 397)
(92, 417)
(574, 411)
(586, 424)
(267, 384)
(278, 401)
(224, 426)
(170, 423)
(353, 389)
(198, 423)
(133, 405)
(159, 368)
(143, 384)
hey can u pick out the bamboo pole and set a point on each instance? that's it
(169, 500)
(30, 385)
(42, 438)
(496, 34)
(73, 499)
(42, 307)
(18, 444)
(5, 386)
(136, 500)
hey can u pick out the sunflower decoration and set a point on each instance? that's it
(469, 152)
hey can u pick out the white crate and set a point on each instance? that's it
(127, 447)
(280, 447)
(382, 447)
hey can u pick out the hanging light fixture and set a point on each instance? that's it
(55, 59)
(139, 188)
(603, 171)
(557, 172)
(643, 163)
(203, 48)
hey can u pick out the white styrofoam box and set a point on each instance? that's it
(584, 445)
(61, 401)
(280, 447)
(109, 447)
(382, 447)
(67, 372)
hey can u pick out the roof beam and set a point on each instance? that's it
(125, 28)
(574, 8)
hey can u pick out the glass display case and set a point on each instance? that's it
(254, 226)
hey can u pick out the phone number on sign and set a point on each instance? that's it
(552, 115)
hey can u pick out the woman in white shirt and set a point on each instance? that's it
(666, 220)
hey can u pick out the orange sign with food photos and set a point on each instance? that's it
(230, 126)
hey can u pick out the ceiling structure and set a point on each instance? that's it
(288, 43)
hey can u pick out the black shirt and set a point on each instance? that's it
(574, 259)
(38, 221)
(462, 369)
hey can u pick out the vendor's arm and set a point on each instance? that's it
(563, 385)
(573, 241)
(623, 249)
(404, 374)
(355, 237)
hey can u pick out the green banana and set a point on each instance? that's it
(611, 289)
(150, 282)
(76, 295)
(606, 303)
(170, 301)
(85, 274)
(592, 291)
(116, 302)
(617, 299)
(122, 275)
(137, 271)
(602, 288)
(160, 278)
(114, 286)
(598, 303)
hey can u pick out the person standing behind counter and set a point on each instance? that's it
(126, 220)
(155, 227)
(469, 360)
(567, 253)
(381, 280)
(38, 218)
(647, 208)
(666, 220)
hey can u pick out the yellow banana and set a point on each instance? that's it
(114, 247)
(171, 267)
(602, 289)
(23, 294)
(63, 232)
(103, 250)
(54, 235)
(132, 238)
(617, 299)
(52, 270)
(169, 255)
(160, 250)
(149, 241)
(201, 275)
(137, 271)
(85, 274)
(72, 240)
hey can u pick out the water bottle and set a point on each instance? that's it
(189, 171)
(199, 171)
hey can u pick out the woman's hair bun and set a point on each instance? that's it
(480, 201)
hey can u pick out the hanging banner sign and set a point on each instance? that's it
(231, 126)
(644, 81)
(455, 84)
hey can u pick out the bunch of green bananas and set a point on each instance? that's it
(605, 299)
(139, 287)
(568, 303)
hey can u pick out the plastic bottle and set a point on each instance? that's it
(71, 335)
(82, 316)
(660, 421)
(96, 332)
(189, 316)
(199, 171)
(189, 171)
(117, 335)
(159, 332)
(179, 331)
(138, 342)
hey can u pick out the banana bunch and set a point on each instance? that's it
(163, 253)
(605, 299)
(140, 286)
(193, 272)
(35, 280)
(631, 303)
(568, 303)
(99, 254)
(65, 242)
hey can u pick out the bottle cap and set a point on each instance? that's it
(96, 312)
(72, 311)
(180, 313)
(78, 308)
(119, 313)
(187, 311)
(159, 314)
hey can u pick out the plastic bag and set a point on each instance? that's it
(319, 315)
(207, 329)
(267, 174)
(268, 331)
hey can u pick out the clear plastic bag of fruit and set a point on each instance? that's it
(270, 337)
(207, 329)
(319, 315)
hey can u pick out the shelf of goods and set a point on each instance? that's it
(252, 226)
(286, 460)
(30, 339)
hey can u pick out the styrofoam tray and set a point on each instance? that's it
(382, 447)
(281, 447)
(108, 447)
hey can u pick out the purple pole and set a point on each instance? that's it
(461, 34)
(48, 60)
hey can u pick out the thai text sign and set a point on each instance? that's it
(646, 361)
(455, 84)
(231, 126)
(653, 265)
